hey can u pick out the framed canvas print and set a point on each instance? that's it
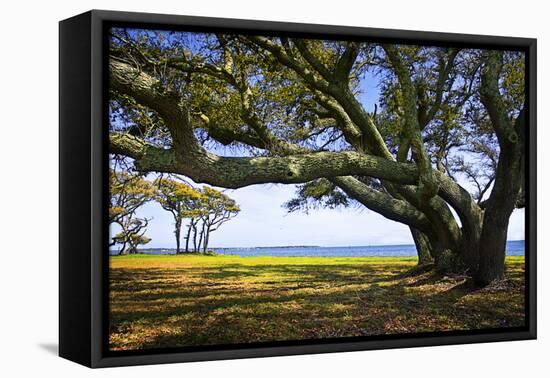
(233, 188)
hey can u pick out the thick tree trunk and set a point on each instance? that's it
(501, 203)
(492, 248)
(423, 247)
(508, 178)
(468, 259)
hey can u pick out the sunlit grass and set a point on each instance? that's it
(168, 301)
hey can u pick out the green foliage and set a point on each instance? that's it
(513, 81)
(127, 193)
(216, 203)
(208, 206)
(182, 200)
(132, 238)
(132, 235)
(314, 194)
(232, 86)
(216, 209)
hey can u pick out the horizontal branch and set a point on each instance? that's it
(236, 172)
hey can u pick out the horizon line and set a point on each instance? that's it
(313, 246)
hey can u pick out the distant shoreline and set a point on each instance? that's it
(308, 246)
(513, 248)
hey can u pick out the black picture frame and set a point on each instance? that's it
(83, 230)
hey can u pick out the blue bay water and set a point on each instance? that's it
(513, 248)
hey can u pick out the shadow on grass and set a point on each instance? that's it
(241, 303)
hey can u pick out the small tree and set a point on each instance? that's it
(132, 235)
(181, 200)
(128, 193)
(217, 208)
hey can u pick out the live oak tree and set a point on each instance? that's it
(293, 109)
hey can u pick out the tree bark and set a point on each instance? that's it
(187, 238)
(423, 247)
(501, 203)
(236, 172)
(206, 238)
(508, 177)
(201, 238)
(177, 232)
(123, 250)
(195, 237)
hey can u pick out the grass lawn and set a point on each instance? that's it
(169, 301)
